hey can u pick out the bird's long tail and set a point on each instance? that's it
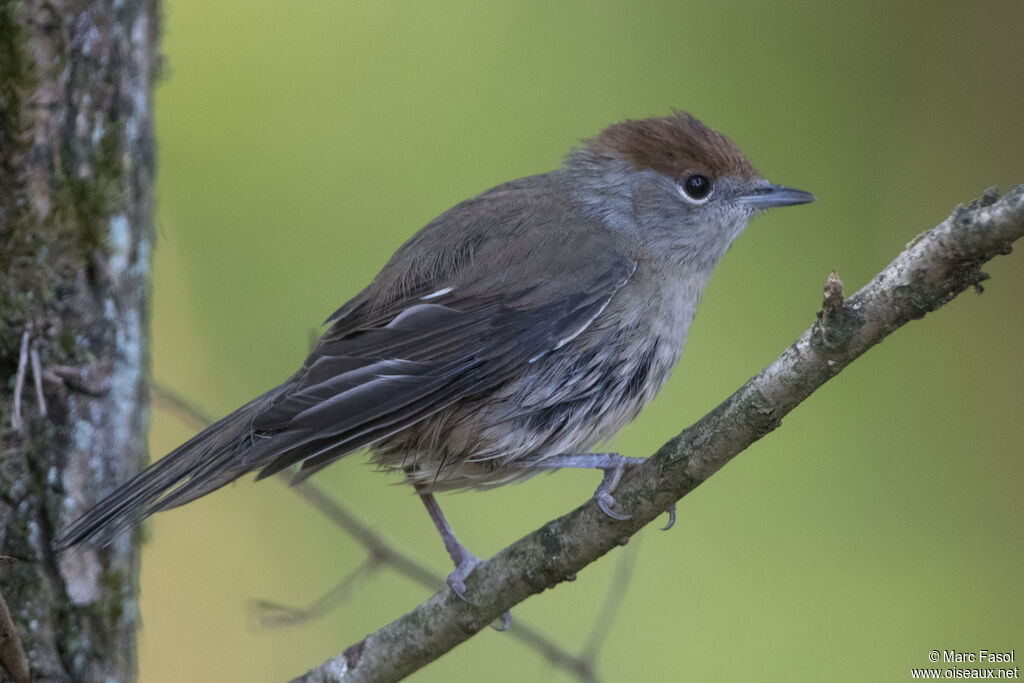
(202, 464)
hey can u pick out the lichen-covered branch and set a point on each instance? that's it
(932, 270)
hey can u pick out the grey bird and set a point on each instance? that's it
(508, 336)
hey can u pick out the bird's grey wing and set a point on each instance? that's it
(455, 312)
(362, 385)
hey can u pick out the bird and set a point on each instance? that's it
(508, 336)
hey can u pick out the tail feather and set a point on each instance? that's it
(199, 466)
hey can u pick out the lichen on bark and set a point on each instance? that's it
(76, 170)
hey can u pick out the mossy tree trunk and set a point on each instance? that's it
(76, 173)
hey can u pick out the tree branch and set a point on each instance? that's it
(931, 271)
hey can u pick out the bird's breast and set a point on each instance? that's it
(589, 389)
(564, 402)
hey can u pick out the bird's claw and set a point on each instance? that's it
(610, 482)
(671, 518)
(457, 582)
(457, 579)
(606, 501)
(505, 619)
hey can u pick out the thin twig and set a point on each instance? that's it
(37, 377)
(612, 603)
(275, 615)
(19, 382)
(378, 548)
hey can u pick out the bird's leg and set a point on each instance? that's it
(613, 465)
(465, 561)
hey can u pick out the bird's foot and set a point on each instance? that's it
(604, 495)
(464, 566)
(619, 465)
(614, 465)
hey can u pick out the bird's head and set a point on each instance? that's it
(683, 190)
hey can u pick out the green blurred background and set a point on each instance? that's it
(301, 142)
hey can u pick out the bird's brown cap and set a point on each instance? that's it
(675, 145)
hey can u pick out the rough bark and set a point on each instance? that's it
(933, 269)
(76, 172)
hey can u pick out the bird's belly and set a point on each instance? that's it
(565, 404)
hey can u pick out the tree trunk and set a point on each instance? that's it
(76, 174)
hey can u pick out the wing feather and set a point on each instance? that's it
(369, 384)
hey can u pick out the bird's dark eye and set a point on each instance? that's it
(696, 186)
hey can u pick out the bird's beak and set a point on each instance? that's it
(767, 196)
